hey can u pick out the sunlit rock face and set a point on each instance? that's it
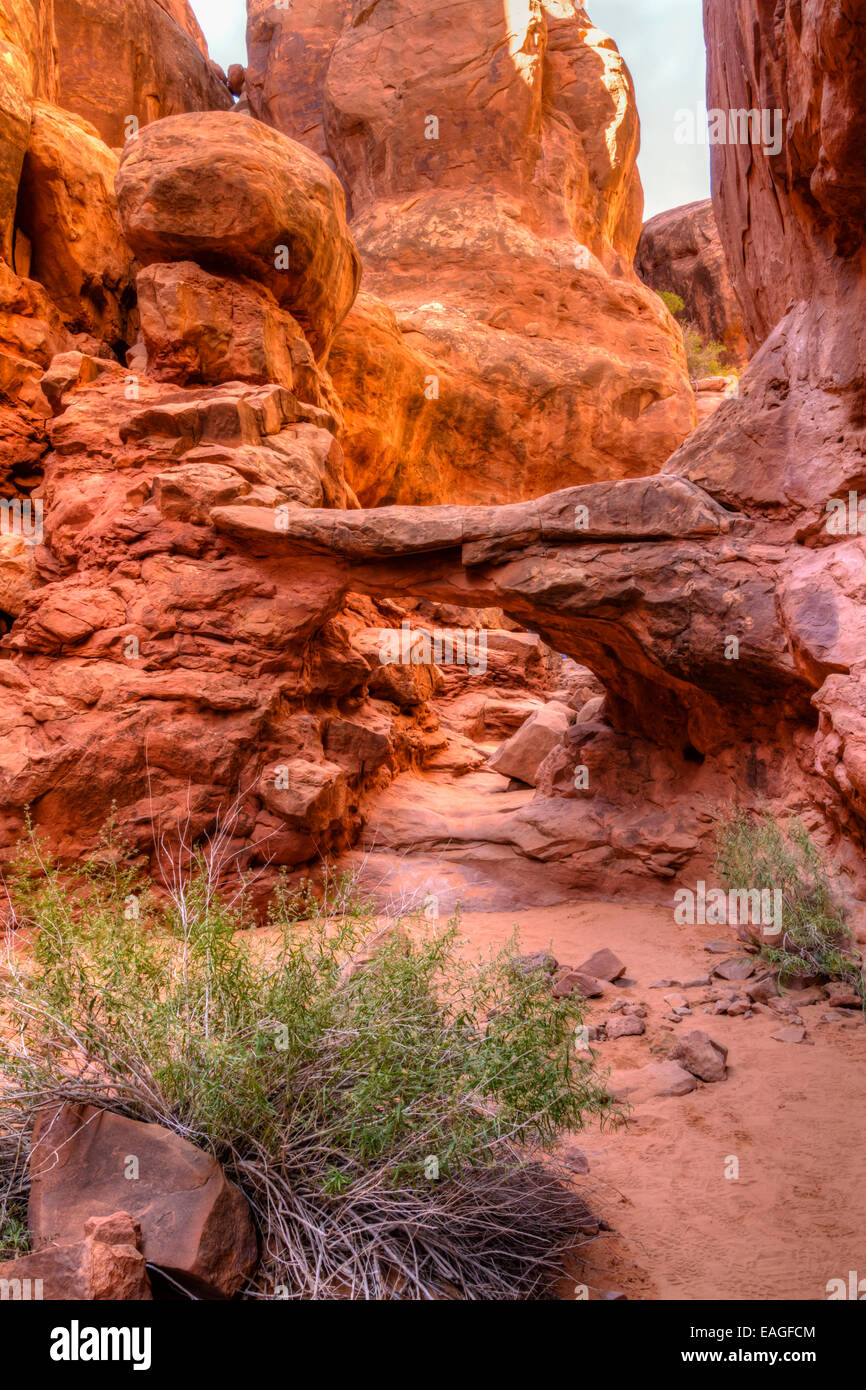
(504, 345)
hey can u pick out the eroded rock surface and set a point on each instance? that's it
(207, 605)
(504, 346)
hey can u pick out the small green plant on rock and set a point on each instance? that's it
(704, 356)
(14, 1235)
(753, 852)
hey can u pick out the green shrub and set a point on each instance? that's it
(14, 1235)
(753, 852)
(333, 1068)
(675, 304)
(705, 357)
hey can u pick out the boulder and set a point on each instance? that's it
(202, 329)
(522, 755)
(842, 995)
(793, 1033)
(140, 59)
(603, 965)
(734, 969)
(656, 1079)
(625, 1026)
(106, 1265)
(700, 1055)
(88, 1163)
(240, 199)
(575, 982)
(236, 77)
(536, 962)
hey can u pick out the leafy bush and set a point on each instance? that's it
(384, 1104)
(753, 852)
(675, 304)
(705, 357)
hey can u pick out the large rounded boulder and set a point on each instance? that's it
(234, 196)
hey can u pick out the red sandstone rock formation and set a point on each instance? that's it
(204, 613)
(680, 250)
(489, 165)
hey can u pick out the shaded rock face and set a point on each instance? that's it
(680, 250)
(505, 144)
(791, 225)
(146, 59)
(66, 271)
(67, 209)
(790, 222)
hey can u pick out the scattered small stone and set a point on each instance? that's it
(699, 982)
(763, 1009)
(737, 969)
(683, 1011)
(843, 996)
(655, 1079)
(791, 1034)
(799, 983)
(700, 1055)
(625, 1027)
(537, 961)
(638, 1009)
(676, 1001)
(738, 1006)
(783, 1006)
(575, 1159)
(570, 982)
(603, 965)
(617, 1005)
(663, 984)
(763, 987)
(720, 948)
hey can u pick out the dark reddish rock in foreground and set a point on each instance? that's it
(88, 1163)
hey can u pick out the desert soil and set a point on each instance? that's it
(794, 1115)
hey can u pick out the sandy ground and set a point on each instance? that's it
(794, 1115)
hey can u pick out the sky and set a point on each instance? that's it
(662, 42)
